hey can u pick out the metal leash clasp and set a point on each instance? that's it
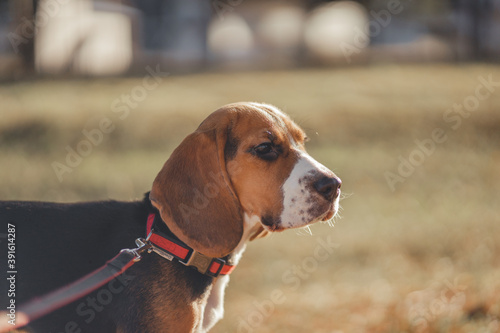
(154, 248)
(142, 246)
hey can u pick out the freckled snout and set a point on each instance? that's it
(328, 187)
(310, 194)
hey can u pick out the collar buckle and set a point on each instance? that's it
(200, 261)
(204, 264)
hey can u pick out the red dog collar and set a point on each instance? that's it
(170, 248)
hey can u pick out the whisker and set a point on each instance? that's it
(308, 229)
(345, 195)
(304, 231)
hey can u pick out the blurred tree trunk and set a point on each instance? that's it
(475, 19)
(23, 37)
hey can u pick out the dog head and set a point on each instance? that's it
(245, 161)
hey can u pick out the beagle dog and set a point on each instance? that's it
(242, 174)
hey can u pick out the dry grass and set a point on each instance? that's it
(422, 258)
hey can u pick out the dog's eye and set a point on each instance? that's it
(266, 151)
(264, 148)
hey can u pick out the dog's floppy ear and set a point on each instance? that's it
(194, 194)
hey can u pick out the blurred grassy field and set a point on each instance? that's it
(422, 258)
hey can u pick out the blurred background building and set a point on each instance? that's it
(107, 38)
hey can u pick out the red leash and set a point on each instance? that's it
(52, 301)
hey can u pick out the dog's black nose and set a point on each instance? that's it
(328, 187)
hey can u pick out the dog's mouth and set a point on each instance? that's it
(270, 224)
(332, 211)
(276, 225)
(328, 216)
